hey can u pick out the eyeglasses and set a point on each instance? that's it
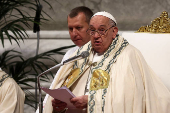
(100, 32)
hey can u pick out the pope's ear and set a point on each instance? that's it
(115, 31)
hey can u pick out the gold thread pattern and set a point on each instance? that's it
(100, 80)
(158, 25)
(72, 77)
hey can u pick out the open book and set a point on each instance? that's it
(62, 94)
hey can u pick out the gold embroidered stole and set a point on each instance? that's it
(101, 73)
(71, 72)
(79, 66)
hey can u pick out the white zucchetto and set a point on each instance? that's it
(106, 14)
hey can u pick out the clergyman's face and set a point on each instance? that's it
(77, 29)
(101, 43)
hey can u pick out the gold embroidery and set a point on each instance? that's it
(72, 77)
(100, 80)
(92, 63)
(158, 25)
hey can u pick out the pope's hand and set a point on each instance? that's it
(80, 102)
(58, 105)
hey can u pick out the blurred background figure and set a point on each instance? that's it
(11, 95)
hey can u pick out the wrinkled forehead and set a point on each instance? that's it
(99, 20)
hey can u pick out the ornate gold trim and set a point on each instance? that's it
(100, 80)
(72, 77)
(158, 25)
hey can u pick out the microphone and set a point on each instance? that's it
(84, 54)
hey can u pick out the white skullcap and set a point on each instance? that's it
(106, 14)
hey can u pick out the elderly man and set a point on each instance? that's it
(78, 23)
(114, 78)
(11, 95)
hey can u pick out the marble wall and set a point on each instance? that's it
(130, 14)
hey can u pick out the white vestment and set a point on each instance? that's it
(126, 84)
(11, 95)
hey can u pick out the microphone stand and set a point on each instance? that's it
(38, 81)
(36, 28)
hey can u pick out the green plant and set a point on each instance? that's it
(7, 56)
(14, 17)
(24, 71)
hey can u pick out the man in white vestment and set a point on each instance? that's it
(78, 23)
(11, 95)
(114, 78)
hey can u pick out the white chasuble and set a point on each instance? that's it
(121, 82)
(133, 88)
(11, 95)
